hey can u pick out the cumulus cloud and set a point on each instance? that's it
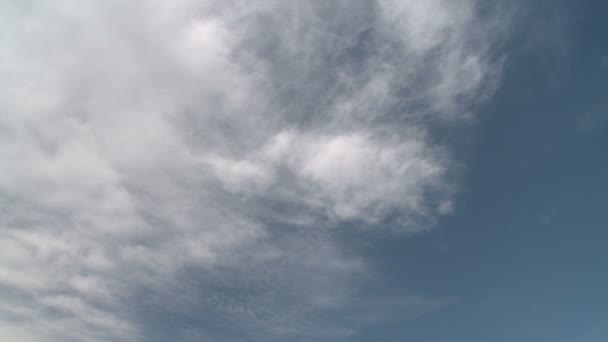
(190, 158)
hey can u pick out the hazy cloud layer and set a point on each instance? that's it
(180, 167)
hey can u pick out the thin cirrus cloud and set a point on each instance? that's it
(188, 158)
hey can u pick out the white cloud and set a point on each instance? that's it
(144, 143)
(345, 176)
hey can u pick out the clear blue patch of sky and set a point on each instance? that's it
(525, 255)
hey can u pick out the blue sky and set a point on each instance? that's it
(304, 171)
(525, 256)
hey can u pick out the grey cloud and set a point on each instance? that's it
(207, 147)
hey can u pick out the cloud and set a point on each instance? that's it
(344, 176)
(194, 158)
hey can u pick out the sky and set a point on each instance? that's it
(218, 171)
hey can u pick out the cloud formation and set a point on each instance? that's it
(192, 159)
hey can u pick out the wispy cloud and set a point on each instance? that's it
(187, 158)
